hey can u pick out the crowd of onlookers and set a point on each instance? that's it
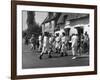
(61, 44)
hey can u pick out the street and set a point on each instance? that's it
(30, 59)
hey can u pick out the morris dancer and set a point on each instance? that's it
(57, 43)
(40, 42)
(74, 45)
(63, 45)
(51, 40)
(45, 45)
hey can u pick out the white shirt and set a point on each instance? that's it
(74, 40)
(50, 39)
(45, 41)
(57, 39)
(40, 38)
(63, 39)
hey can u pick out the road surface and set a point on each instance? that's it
(30, 59)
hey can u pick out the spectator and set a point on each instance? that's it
(80, 44)
(26, 40)
(86, 42)
(32, 41)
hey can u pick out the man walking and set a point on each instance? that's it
(45, 45)
(74, 41)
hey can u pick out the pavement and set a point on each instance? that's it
(30, 59)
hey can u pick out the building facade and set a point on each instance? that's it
(50, 23)
(64, 22)
(80, 22)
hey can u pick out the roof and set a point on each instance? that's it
(70, 16)
(76, 16)
(61, 19)
(47, 19)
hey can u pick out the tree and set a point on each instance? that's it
(33, 27)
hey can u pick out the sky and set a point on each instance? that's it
(39, 18)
